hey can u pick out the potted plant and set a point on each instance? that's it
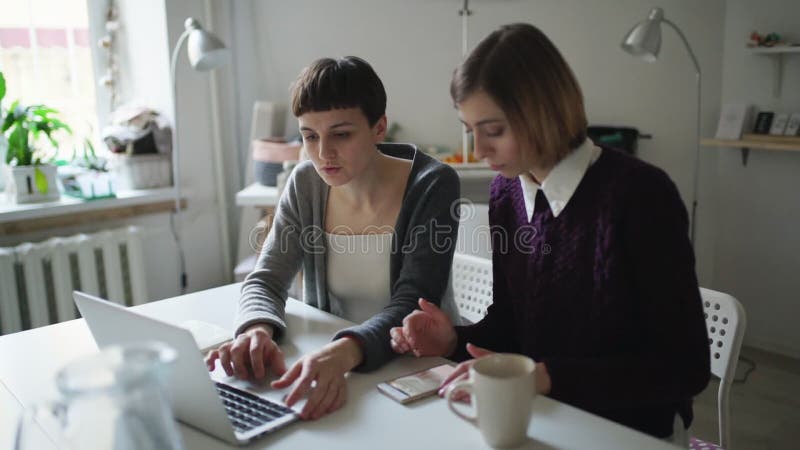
(87, 176)
(30, 176)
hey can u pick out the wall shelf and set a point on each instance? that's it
(760, 141)
(776, 54)
(778, 49)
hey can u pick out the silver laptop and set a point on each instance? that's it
(232, 410)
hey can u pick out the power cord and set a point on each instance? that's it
(752, 368)
(182, 280)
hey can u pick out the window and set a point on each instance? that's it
(45, 56)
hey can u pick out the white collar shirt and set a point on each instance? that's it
(562, 181)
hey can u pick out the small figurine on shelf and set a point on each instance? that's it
(458, 158)
(765, 40)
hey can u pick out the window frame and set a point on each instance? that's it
(96, 24)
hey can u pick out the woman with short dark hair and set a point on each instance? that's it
(364, 220)
(601, 290)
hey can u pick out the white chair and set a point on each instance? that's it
(726, 320)
(472, 285)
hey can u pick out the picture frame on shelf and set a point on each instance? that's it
(733, 119)
(763, 122)
(793, 125)
(779, 124)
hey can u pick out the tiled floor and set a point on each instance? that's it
(765, 410)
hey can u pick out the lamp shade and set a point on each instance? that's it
(206, 51)
(644, 39)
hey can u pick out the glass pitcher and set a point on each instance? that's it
(114, 400)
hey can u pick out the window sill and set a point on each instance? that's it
(68, 211)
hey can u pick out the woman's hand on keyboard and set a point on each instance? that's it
(321, 375)
(251, 353)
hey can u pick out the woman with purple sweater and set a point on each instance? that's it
(594, 274)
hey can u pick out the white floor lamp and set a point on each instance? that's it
(644, 41)
(206, 52)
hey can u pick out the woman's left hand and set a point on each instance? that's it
(321, 375)
(542, 378)
(462, 372)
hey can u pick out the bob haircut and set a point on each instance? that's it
(524, 73)
(329, 84)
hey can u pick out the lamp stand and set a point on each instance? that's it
(176, 173)
(696, 179)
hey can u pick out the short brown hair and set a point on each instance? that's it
(348, 82)
(524, 73)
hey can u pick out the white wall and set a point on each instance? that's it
(150, 29)
(415, 44)
(201, 222)
(757, 247)
(143, 56)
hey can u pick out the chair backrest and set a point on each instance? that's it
(726, 321)
(472, 286)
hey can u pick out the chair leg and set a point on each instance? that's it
(722, 409)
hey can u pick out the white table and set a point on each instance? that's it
(368, 420)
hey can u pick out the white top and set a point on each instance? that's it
(562, 181)
(358, 273)
(368, 417)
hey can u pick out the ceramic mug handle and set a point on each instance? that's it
(463, 385)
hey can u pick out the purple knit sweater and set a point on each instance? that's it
(605, 294)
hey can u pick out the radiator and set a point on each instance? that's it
(37, 279)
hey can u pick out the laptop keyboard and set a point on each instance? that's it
(247, 411)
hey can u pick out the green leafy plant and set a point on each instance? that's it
(23, 127)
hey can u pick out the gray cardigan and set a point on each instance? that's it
(422, 253)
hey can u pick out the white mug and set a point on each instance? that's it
(502, 390)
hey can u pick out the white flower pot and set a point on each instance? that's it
(147, 171)
(29, 184)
